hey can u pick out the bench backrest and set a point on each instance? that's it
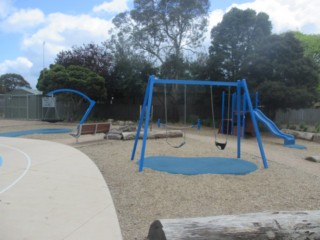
(93, 128)
(103, 128)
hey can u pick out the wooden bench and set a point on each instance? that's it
(91, 128)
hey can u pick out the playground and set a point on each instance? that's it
(289, 182)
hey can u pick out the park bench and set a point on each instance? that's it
(91, 128)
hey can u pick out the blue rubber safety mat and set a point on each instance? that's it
(297, 146)
(36, 131)
(199, 165)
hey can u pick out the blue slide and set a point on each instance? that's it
(288, 139)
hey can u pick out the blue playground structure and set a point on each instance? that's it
(91, 102)
(241, 88)
(246, 122)
(288, 138)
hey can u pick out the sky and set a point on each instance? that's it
(33, 32)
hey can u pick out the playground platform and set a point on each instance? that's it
(52, 191)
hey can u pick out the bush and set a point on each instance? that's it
(303, 127)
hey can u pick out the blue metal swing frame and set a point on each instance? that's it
(91, 102)
(147, 103)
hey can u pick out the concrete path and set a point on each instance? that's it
(52, 191)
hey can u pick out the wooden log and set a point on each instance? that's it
(265, 225)
(169, 134)
(314, 158)
(153, 135)
(316, 137)
(113, 136)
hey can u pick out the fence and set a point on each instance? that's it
(30, 107)
(21, 106)
(2, 105)
(307, 116)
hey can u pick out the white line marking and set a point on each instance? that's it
(24, 172)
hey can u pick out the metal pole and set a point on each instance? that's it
(145, 133)
(238, 119)
(222, 118)
(140, 120)
(255, 125)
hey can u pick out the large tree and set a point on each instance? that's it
(311, 45)
(234, 39)
(92, 56)
(11, 81)
(128, 78)
(164, 29)
(282, 74)
(74, 77)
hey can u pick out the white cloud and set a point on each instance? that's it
(301, 15)
(63, 31)
(22, 20)
(19, 65)
(215, 17)
(5, 8)
(115, 6)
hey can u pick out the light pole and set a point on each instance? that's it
(44, 43)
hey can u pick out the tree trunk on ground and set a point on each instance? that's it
(268, 225)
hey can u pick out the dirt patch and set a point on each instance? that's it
(290, 182)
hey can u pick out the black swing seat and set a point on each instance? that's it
(176, 146)
(221, 146)
(52, 120)
(179, 146)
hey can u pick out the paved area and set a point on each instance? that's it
(49, 190)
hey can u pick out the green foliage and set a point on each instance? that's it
(161, 29)
(317, 127)
(192, 119)
(282, 75)
(174, 67)
(129, 77)
(311, 45)
(207, 122)
(292, 127)
(91, 56)
(11, 81)
(235, 39)
(303, 127)
(73, 77)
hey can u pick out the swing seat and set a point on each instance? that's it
(221, 146)
(52, 120)
(179, 146)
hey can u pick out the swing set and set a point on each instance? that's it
(218, 135)
(167, 126)
(240, 85)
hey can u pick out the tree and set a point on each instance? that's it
(174, 66)
(11, 81)
(282, 74)
(235, 39)
(129, 77)
(311, 45)
(164, 28)
(91, 56)
(74, 77)
(129, 72)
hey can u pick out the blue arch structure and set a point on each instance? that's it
(92, 102)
